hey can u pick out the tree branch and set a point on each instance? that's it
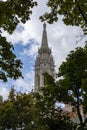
(81, 12)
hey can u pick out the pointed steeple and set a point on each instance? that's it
(44, 37)
(44, 62)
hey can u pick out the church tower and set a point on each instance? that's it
(44, 62)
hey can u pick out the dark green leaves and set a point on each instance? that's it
(9, 64)
(17, 111)
(74, 12)
(12, 12)
(74, 73)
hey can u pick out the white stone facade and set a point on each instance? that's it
(44, 62)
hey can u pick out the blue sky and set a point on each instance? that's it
(27, 39)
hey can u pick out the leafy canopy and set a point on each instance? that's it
(74, 12)
(74, 73)
(17, 111)
(12, 12)
(48, 116)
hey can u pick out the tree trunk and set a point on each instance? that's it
(79, 113)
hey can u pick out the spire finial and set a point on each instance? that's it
(44, 26)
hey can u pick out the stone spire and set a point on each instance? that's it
(44, 62)
(44, 37)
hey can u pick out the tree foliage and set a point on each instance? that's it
(74, 12)
(48, 116)
(34, 111)
(17, 111)
(74, 73)
(12, 12)
(9, 65)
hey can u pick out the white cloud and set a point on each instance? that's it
(32, 51)
(23, 36)
(26, 84)
(62, 40)
(3, 0)
(4, 91)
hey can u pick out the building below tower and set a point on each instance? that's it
(44, 62)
